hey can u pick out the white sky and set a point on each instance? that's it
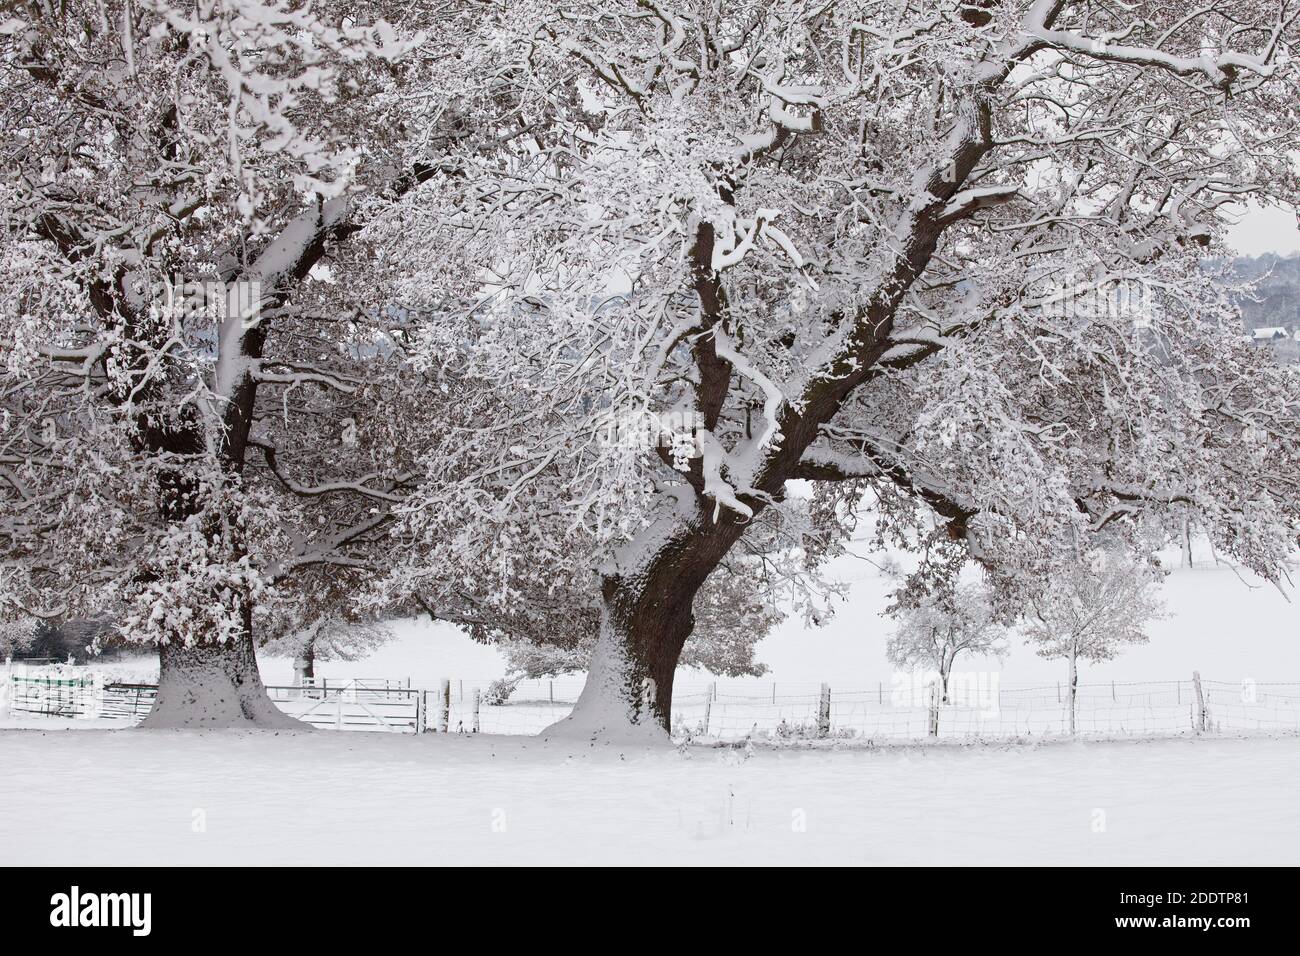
(1261, 230)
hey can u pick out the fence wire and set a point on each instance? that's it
(702, 711)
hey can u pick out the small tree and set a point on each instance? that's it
(326, 639)
(933, 630)
(1092, 610)
(320, 621)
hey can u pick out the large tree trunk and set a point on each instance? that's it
(646, 619)
(214, 685)
(208, 683)
(627, 697)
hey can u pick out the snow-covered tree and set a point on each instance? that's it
(328, 639)
(934, 629)
(556, 298)
(186, 352)
(1092, 610)
(948, 255)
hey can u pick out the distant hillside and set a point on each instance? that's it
(1277, 291)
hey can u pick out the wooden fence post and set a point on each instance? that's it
(824, 712)
(477, 698)
(444, 706)
(708, 712)
(1200, 702)
(420, 704)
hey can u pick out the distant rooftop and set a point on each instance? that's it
(1270, 332)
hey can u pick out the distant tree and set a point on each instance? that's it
(935, 629)
(325, 639)
(323, 622)
(1092, 610)
(1269, 294)
(79, 638)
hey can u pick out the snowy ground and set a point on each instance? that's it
(139, 797)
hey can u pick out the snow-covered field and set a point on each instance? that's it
(179, 797)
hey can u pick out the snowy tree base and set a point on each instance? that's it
(214, 686)
(600, 726)
(606, 711)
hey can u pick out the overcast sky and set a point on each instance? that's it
(1266, 230)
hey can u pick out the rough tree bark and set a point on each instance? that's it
(646, 619)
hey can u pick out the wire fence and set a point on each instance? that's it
(1006, 711)
(901, 709)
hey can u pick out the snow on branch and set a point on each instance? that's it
(969, 201)
(1220, 69)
